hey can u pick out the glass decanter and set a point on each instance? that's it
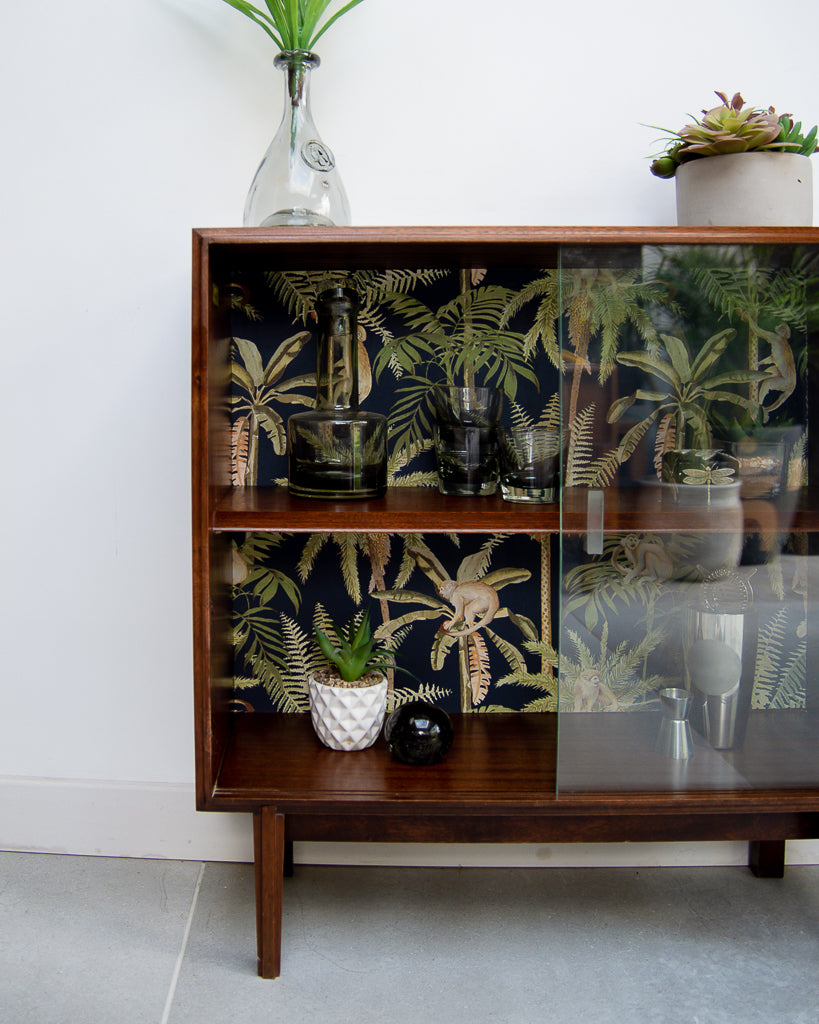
(297, 181)
(337, 450)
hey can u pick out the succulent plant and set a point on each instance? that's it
(732, 127)
(355, 654)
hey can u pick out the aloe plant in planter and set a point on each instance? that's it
(355, 655)
(349, 698)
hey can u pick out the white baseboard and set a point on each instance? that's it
(116, 819)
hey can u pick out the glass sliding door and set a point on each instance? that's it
(687, 576)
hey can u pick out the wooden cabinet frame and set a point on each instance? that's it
(499, 782)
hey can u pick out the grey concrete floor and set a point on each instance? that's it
(112, 941)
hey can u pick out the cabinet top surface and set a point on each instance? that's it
(568, 234)
(482, 246)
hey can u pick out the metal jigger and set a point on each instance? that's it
(674, 739)
(720, 652)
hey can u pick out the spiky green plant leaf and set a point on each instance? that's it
(292, 24)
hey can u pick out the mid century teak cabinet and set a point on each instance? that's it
(611, 594)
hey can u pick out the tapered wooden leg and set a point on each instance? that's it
(268, 843)
(766, 858)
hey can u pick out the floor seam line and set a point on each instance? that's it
(177, 968)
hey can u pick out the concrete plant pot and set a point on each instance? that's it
(759, 189)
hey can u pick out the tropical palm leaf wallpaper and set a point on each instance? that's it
(693, 347)
(500, 666)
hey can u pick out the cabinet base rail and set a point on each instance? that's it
(274, 833)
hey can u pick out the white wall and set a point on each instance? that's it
(126, 124)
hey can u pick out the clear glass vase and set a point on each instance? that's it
(297, 181)
(337, 450)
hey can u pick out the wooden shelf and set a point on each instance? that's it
(650, 508)
(605, 754)
(402, 509)
(508, 764)
(424, 510)
(496, 760)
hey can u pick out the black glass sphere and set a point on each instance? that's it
(418, 733)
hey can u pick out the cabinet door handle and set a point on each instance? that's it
(594, 523)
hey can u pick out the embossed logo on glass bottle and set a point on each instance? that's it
(316, 155)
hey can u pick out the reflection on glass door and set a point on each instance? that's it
(686, 626)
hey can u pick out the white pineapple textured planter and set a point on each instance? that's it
(345, 717)
(758, 189)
